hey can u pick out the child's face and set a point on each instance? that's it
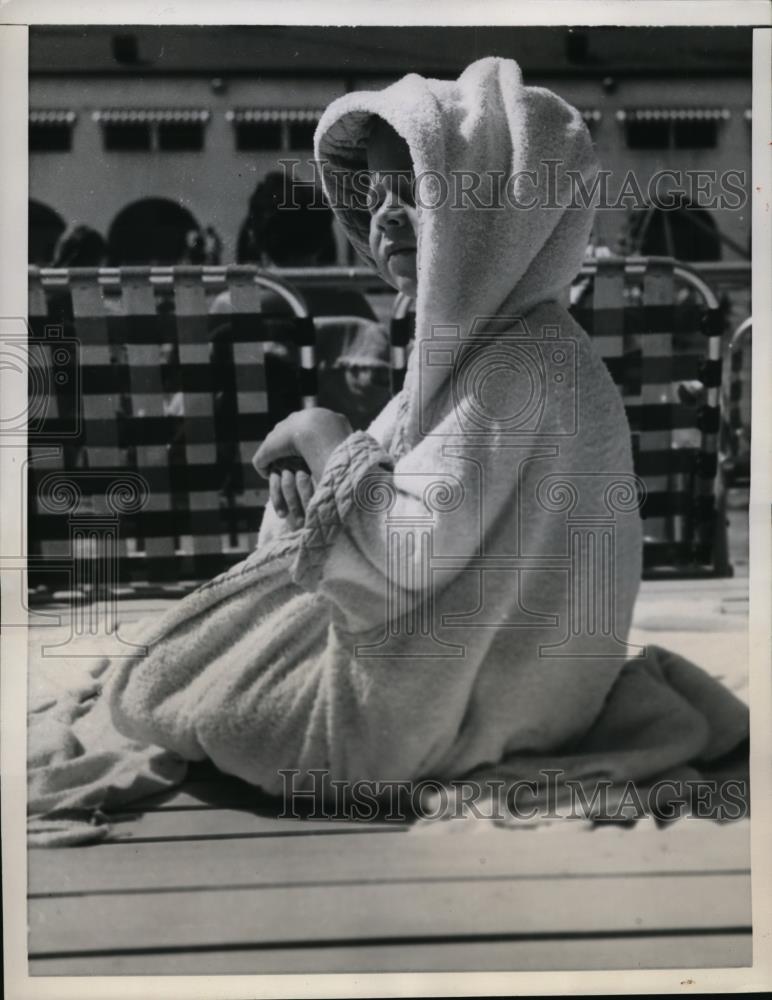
(362, 379)
(394, 219)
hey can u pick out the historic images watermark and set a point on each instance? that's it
(551, 794)
(551, 186)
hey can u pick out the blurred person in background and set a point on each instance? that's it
(80, 246)
(202, 246)
(354, 369)
(290, 229)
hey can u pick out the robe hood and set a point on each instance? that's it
(496, 247)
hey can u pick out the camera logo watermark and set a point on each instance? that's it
(76, 511)
(504, 379)
(51, 362)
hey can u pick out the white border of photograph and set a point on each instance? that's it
(13, 296)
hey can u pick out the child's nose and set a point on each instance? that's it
(392, 215)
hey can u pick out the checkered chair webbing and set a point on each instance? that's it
(150, 391)
(658, 328)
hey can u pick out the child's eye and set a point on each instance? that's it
(390, 185)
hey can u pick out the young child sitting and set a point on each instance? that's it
(450, 591)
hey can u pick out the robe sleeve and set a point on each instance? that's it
(371, 523)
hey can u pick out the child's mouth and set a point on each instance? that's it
(399, 252)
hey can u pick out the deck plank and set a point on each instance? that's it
(687, 847)
(305, 913)
(644, 952)
(213, 824)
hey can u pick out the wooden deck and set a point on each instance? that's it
(209, 880)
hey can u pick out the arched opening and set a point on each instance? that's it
(150, 231)
(45, 228)
(686, 233)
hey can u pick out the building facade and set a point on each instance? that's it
(146, 134)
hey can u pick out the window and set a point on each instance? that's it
(181, 136)
(274, 129)
(126, 138)
(50, 138)
(152, 129)
(255, 136)
(51, 131)
(301, 136)
(648, 135)
(672, 128)
(695, 135)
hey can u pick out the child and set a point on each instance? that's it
(431, 597)
(354, 367)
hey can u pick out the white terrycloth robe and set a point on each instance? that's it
(426, 620)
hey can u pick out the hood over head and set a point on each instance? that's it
(500, 229)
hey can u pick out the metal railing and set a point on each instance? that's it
(720, 275)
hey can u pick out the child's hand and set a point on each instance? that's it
(311, 435)
(290, 490)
